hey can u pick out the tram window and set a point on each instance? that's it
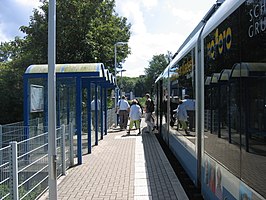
(235, 111)
(182, 90)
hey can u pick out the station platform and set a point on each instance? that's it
(122, 167)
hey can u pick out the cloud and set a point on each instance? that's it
(158, 27)
(28, 3)
(144, 44)
(189, 13)
(132, 11)
(13, 14)
(149, 3)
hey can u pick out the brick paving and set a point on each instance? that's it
(122, 168)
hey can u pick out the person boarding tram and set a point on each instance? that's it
(149, 109)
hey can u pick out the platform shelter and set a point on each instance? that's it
(83, 92)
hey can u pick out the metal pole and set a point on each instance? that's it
(115, 89)
(121, 82)
(1, 142)
(14, 170)
(116, 95)
(63, 149)
(121, 85)
(71, 145)
(52, 182)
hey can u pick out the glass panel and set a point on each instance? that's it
(221, 102)
(235, 109)
(223, 115)
(182, 97)
(65, 95)
(253, 96)
(84, 122)
(99, 104)
(43, 116)
(93, 116)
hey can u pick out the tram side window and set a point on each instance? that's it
(235, 96)
(182, 100)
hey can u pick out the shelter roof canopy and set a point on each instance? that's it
(68, 68)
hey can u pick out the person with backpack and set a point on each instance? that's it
(149, 109)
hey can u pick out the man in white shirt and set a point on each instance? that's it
(123, 107)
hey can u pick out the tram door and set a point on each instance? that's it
(160, 106)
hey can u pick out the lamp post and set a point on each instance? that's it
(52, 180)
(121, 83)
(116, 94)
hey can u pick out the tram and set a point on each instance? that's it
(221, 67)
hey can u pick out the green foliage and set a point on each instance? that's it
(33, 194)
(110, 103)
(4, 190)
(142, 101)
(127, 83)
(140, 87)
(11, 93)
(86, 32)
(156, 67)
(145, 84)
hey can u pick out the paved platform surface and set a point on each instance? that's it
(122, 167)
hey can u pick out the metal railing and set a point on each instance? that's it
(24, 168)
(111, 115)
(15, 131)
(24, 162)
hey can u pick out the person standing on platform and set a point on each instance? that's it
(123, 107)
(134, 115)
(149, 109)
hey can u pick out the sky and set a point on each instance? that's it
(158, 26)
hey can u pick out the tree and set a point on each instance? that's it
(11, 93)
(155, 68)
(140, 87)
(10, 50)
(86, 32)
